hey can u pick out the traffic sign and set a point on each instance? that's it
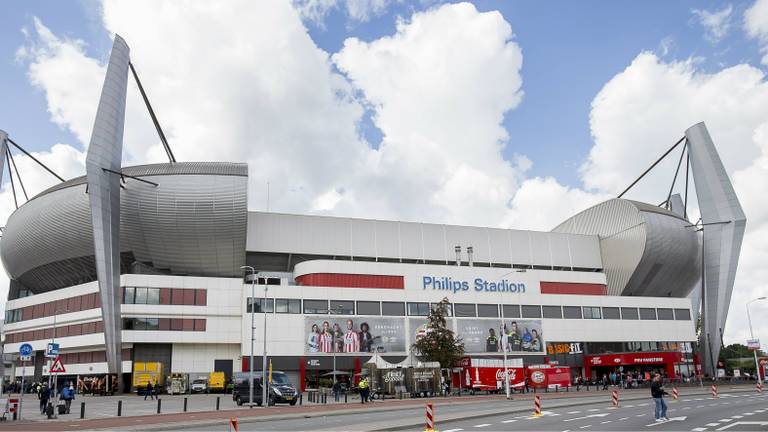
(753, 344)
(52, 350)
(25, 352)
(57, 366)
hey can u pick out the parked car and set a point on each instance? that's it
(199, 386)
(280, 391)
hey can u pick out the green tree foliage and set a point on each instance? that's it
(439, 343)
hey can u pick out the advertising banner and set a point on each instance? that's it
(483, 335)
(342, 334)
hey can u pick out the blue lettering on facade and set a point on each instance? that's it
(481, 285)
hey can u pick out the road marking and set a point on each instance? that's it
(687, 408)
(749, 413)
(699, 406)
(623, 418)
(667, 421)
(454, 430)
(573, 412)
(640, 415)
(585, 417)
(698, 429)
(737, 416)
(482, 425)
(724, 420)
(593, 410)
(645, 404)
(698, 399)
(606, 422)
(760, 423)
(712, 424)
(505, 421)
(585, 426)
(686, 400)
(712, 404)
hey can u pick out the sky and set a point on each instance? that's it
(490, 113)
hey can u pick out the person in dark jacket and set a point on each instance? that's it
(149, 391)
(657, 393)
(44, 395)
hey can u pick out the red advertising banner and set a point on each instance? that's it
(668, 359)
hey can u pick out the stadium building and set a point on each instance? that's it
(146, 264)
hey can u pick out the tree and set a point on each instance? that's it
(439, 343)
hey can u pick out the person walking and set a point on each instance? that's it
(657, 393)
(605, 382)
(68, 395)
(336, 390)
(45, 396)
(149, 391)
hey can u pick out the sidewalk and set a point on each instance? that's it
(201, 418)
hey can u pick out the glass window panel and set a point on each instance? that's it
(315, 306)
(683, 314)
(531, 311)
(153, 324)
(281, 305)
(201, 297)
(129, 295)
(189, 297)
(153, 296)
(141, 296)
(177, 296)
(393, 308)
(368, 308)
(511, 311)
(629, 313)
(571, 312)
(418, 309)
(552, 311)
(488, 310)
(591, 312)
(294, 306)
(647, 313)
(176, 324)
(342, 307)
(464, 310)
(611, 313)
(200, 324)
(665, 314)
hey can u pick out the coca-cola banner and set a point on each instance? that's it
(487, 335)
(345, 334)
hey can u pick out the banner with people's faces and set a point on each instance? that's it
(340, 334)
(487, 336)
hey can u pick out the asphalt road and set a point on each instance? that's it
(731, 411)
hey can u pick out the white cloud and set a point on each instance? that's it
(756, 25)
(716, 23)
(356, 10)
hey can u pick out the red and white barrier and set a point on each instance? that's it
(430, 416)
(537, 405)
(714, 391)
(675, 393)
(233, 427)
(615, 398)
(759, 387)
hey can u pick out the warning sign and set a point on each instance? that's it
(57, 366)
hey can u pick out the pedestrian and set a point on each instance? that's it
(149, 391)
(657, 393)
(68, 395)
(363, 387)
(605, 382)
(336, 390)
(526, 385)
(44, 395)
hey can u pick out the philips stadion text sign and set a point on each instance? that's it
(448, 283)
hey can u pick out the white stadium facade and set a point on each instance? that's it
(145, 264)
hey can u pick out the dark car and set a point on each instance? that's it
(281, 390)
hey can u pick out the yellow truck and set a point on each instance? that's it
(146, 372)
(217, 382)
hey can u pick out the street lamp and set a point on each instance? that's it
(752, 335)
(253, 327)
(335, 311)
(504, 336)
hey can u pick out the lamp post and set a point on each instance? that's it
(504, 337)
(752, 335)
(335, 311)
(264, 378)
(51, 385)
(253, 327)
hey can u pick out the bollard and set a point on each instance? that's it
(159, 404)
(400, 395)
(430, 417)
(537, 406)
(217, 403)
(615, 398)
(345, 397)
(325, 398)
(675, 393)
(82, 410)
(185, 404)
(301, 399)
(714, 391)
(119, 408)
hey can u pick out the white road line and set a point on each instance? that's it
(606, 422)
(712, 424)
(482, 425)
(629, 406)
(699, 406)
(724, 420)
(687, 408)
(593, 410)
(623, 418)
(712, 404)
(698, 429)
(645, 404)
(751, 413)
(507, 421)
(699, 399)
(573, 412)
(686, 400)
(737, 416)
(454, 430)
(585, 426)
(640, 415)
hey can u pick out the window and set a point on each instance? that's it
(552, 311)
(571, 312)
(165, 296)
(262, 305)
(177, 296)
(393, 308)
(189, 297)
(611, 313)
(153, 323)
(464, 310)
(488, 310)
(629, 313)
(201, 297)
(176, 324)
(683, 314)
(531, 311)
(199, 324)
(153, 296)
(665, 314)
(511, 311)
(342, 307)
(647, 313)
(418, 309)
(292, 306)
(368, 308)
(315, 306)
(129, 295)
(591, 312)
(141, 296)
(448, 308)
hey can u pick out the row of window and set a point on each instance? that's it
(164, 324)
(465, 310)
(87, 357)
(165, 296)
(51, 308)
(61, 331)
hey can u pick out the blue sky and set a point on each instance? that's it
(571, 49)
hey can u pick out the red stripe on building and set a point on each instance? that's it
(345, 280)
(573, 288)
